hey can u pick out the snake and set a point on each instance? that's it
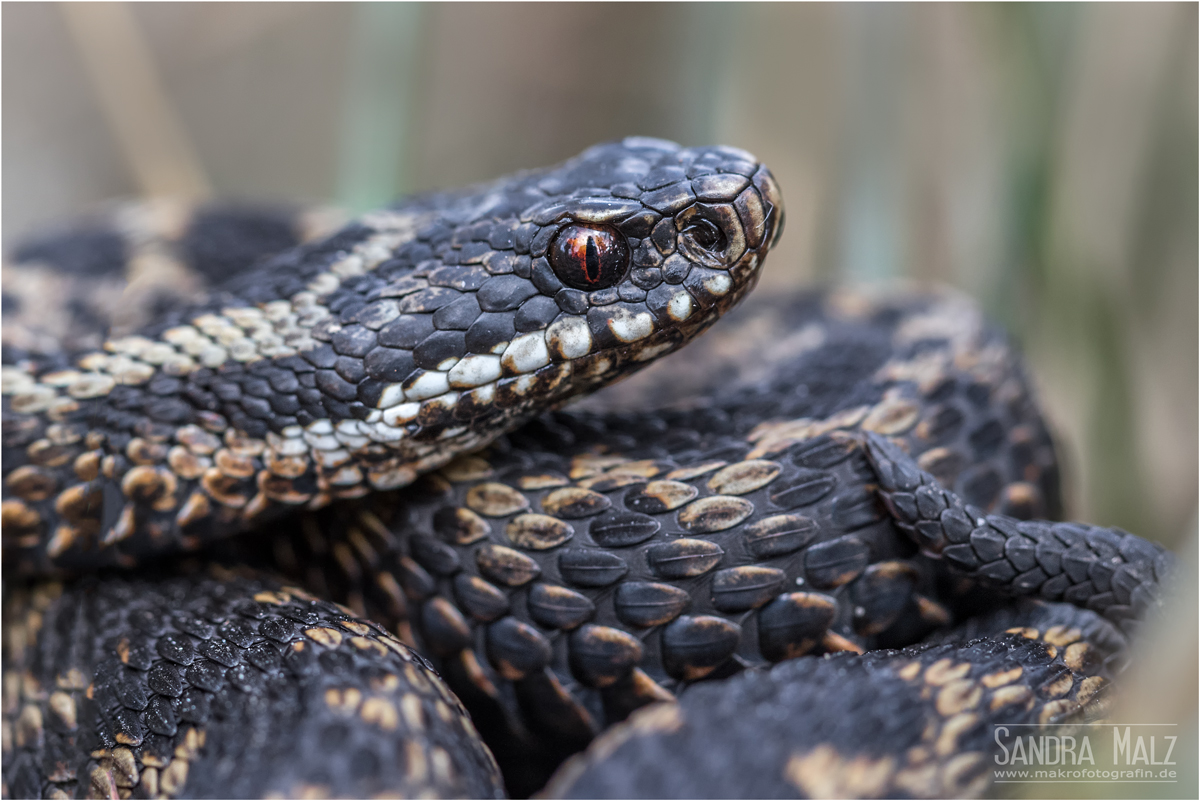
(326, 531)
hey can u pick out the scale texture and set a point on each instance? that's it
(591, 564)
(824, 516)
(358, 361)
(219, 686)
(913, 723)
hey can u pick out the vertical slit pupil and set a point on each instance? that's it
(591, 266)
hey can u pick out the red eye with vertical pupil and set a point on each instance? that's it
(589, 257)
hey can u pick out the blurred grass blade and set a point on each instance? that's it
(134, 102)
(378, 109)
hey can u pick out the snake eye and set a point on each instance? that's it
(589, 257)
(705, 233)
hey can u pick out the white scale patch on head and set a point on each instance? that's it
(681, 306)
(392, 395)
(718, 284)
(402, 414)
(483, 395)
(570, 338)
(428, 385)
(526, 353)
(474, 370)
(630, 327)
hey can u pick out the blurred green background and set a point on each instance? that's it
(1043, 158)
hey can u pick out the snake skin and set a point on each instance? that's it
(358, 361)
(594, 562)
(913, 723)
(591, 564)
(1104, 569)
(222, 686)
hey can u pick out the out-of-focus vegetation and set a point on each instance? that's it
(1043, 158)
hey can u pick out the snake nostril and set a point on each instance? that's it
(706, 234)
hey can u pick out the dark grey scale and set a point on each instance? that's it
(459, 315)
(864, 719)
(646, 603)
(790, 555)
(446, 632)
(542, 276)
(503, 293)
(250, 726)
(558, 607)
(490, 329)
(676, 270)
(1108, 570)
(883, 594)
(406, 331)
(466, 279)
(439, 346)
(632, 588)
(428, 300)
(604, 297)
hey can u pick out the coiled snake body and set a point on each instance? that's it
(573, 571)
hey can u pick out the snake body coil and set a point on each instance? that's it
(848, 476)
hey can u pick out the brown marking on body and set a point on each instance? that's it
(124, 768)
(443, 768)
(1076, 656)
(823, 772)
(416, 767)
(195, 508)
(952, 729)
(495, 500)
(101, 784)
(79, 502)
(1013, 694)
(944, 671)
(1060, 686)
(32, 484)
(694, 471)
(1057, 710)
(411, 711)
(833, 642)
(962, 775)
(29, 731)
(541, 481)
(892, 416)
(476, 674)
(1002, 677)
(957, 696)
(16, 515)
(1089, 688)
(467, 468)
(173, 778)
(380, 712)
(539, 532)
(715, 513)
